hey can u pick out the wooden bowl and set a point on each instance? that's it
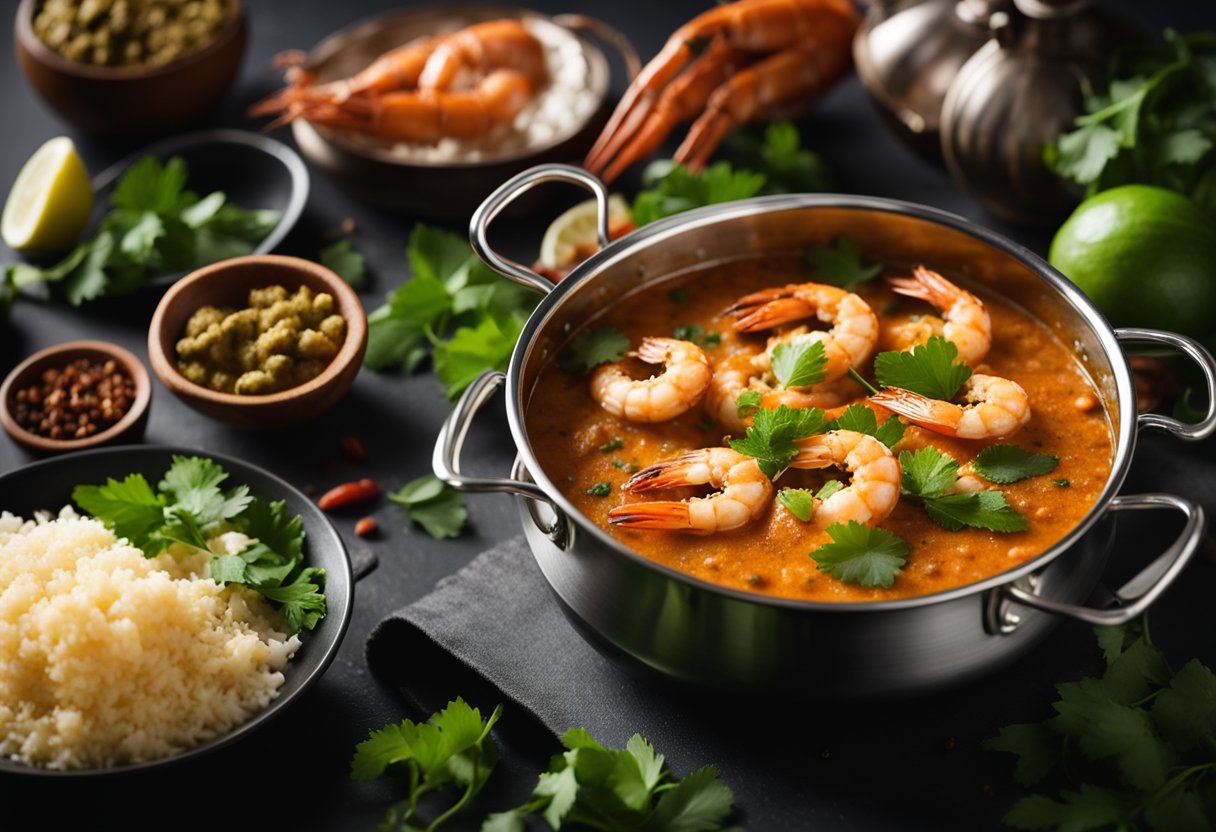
(127, 430)
(227, 283)
(110, 99)
(373, 171)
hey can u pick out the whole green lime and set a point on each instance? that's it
(1146, 256)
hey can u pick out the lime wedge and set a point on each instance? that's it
(50, 203)
(575, 230)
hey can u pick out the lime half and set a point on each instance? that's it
(49, 205)
(574, 232)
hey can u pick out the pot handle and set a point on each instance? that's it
(446, 459)
(512, 189)
(1140, 592)
(1206, 426)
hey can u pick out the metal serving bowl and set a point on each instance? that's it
(709, 634)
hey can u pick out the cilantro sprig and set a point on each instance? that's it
(859, 554)
(1133, 748)
(452, 748)
(592, 347)
(840, 264)
(1008, 463)
(930, 369)
(770, 438)
(800, 362)
(748, 402)
(190, 508)
(454, 309)
(929, 474)
(435, 506)
(859, 418)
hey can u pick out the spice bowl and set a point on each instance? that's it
(129, 406)
(132, 99)
(227, 284)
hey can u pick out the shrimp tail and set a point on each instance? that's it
(928, 286)
(652, 351)
(663, 514)
(669, 473)
(918, 409)
(774, 313)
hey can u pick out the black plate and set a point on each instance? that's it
(48, 485)
(254, 171)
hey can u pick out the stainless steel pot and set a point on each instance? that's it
(705, 633)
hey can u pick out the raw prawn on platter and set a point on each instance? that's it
(460, 85)
(737, 62)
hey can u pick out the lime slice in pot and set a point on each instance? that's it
(571, 236)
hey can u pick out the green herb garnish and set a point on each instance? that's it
(1134, 748)
(799, 501)
(455, 306)
(800, 362)
(841, 264)
(189, 508)
(748, 402)
(697, 335)
(613, 444)
(593, 347)
(1009, 463)
(929, 369)
(770, 438)
(861, 555)
(452, 748)
(928, 474)
(778, 155)
(678, 296)
(1061, 483)
(672, 189)
(435, 506)
(600, 489)
(859, 418)
(344, 260)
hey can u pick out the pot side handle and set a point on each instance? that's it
(1206, 426)
(1140, 592)
(512, 189)
(445, 461)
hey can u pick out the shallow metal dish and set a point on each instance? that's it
(709, 634)
(448, 190)
(48, 485)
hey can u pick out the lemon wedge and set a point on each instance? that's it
(49, 205)
(576, 228)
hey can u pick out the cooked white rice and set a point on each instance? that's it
(557, 110)
(109, 658)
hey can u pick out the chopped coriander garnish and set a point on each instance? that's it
(613, 444)
(840, 264)
(1009, 463)
(747, 403)
(711, 339)
(697, 335)
(344, 260)
(828, 489)
(629, 467)
(678, 296)
(859, 418)
(799, 501)
(435, 506)
(1061, 483)
(929, 369)
(859, 554)
(770, 438)
(593, 347)
(929, 474)
(799, 363)
(600, 489)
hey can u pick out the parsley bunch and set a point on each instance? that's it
(454, 308)
(1155, 124)
(1132, 749)
(154, 226)
(189, 508)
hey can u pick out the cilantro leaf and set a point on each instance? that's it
(146, 186)
(438, 508)
(927, 473)
(1185, 711)
(344, 260)
(301, 601)
(397, 331)
(593, 347)
(1035, 746)
(859, 554)
(1009, 463)
(840, 264)
(1090, 808)
(800, 362)
(778, 154)
(771, 436)
(982, 509)
(672, 189)
(929, 369)
(828, 489)
(799, 501)
(128, 508)
(861, 419)
(473, 350)
(698, 802)
(193, 484)
(748, 402)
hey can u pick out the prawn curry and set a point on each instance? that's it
(791, 438)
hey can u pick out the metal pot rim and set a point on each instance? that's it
(670, 228)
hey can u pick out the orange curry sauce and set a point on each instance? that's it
(774, 554)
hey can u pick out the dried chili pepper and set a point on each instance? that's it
(348, 493)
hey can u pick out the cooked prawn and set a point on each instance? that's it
(994, 407)
(678, 388)
(965, 321)
(744, 492)
(874, 490)
(847, 344)
(745, 371)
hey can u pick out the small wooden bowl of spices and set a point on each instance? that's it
(76, 395)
